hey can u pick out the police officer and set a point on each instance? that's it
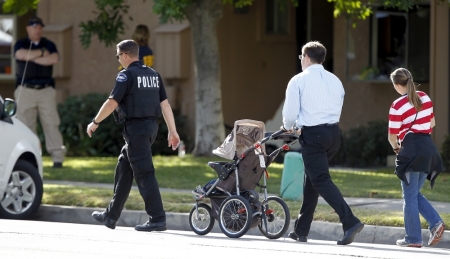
(137, 100)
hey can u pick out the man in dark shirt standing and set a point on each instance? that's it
(138, 99)
(35, 87)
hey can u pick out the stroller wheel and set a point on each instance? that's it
(275, 219)
(235, 216)
(200, 220)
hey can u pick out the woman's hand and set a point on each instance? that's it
(396, 150)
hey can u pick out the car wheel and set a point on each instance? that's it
(23, 193)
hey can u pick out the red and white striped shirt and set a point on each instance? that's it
(402, 114)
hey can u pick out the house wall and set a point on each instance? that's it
(364, 100)
(370, 100)
(255, 67)
(92, 69)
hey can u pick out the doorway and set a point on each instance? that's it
(314, 22)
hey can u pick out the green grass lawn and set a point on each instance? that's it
(189, 171)
(181, 202)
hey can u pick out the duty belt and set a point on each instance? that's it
(130, 120)
(322, 125)
(35, 86)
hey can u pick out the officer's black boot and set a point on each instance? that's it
(152, 226)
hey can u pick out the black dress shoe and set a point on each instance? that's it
(298, 238)
(102, 218)
(350, 234)
(151, 226)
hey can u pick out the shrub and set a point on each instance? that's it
(160, 145)
(367, 145)
(78, 111)
(445, 153)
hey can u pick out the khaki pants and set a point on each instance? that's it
(42, 101)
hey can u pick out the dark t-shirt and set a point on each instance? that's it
(145, 55)
(124, 80)
(145, 51)
(35, 74)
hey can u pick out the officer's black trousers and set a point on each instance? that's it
(135, 161)
(319, 144)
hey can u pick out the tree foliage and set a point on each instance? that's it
(108, 25)
(19, 7)
(361, 10)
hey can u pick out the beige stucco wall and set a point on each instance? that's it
(92, 69)
(255, 68)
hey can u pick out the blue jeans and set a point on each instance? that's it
(413, 204)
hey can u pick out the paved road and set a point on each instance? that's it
(28, 239)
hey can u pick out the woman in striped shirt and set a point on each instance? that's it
(411, 120)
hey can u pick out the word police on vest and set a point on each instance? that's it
(147, 81)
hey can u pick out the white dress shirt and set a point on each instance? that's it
(313, 97)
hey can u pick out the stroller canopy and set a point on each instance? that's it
(244, 134)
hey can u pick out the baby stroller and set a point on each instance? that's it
(235, 203)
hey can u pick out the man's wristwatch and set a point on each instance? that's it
(96, 123)
(42, 52)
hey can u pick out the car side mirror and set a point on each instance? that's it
(9, 108)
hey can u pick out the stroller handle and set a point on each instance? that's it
(274, 135)
(264, 140)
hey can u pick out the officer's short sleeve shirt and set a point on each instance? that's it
(124, 80)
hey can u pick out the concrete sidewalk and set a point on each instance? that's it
(180, 221)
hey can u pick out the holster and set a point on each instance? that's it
(119, 116)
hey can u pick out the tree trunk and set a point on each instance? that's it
(209, 127)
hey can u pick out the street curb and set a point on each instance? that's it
(180, 221)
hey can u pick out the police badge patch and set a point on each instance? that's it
(121, 77)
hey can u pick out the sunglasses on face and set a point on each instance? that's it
(117, 56)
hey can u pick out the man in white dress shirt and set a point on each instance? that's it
(314, 100)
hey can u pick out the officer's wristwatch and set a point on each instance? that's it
(96, 123)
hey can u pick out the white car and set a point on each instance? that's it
(21, 171)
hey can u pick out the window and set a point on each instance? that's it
(276, 17)
(7, 40)
(389, 42)
(395, 39)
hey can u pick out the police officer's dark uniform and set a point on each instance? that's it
(139, 91)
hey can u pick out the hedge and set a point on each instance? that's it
(77, 112)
